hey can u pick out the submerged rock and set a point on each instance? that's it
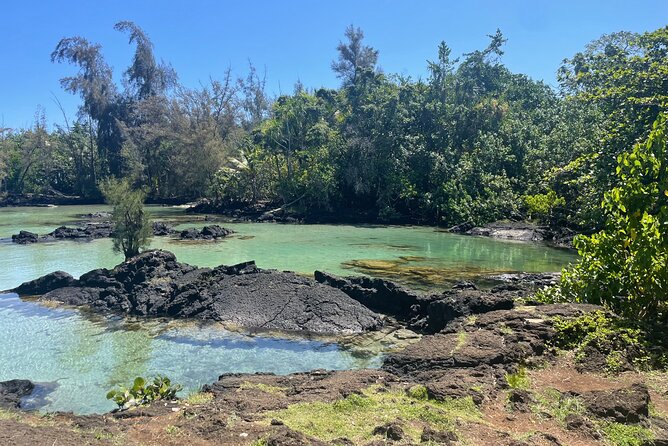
(25, 237)
(161, 229)
(155, 284)
(212, 232)
(11, 392)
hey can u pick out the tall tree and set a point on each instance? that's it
(354, 56)
(95, 85)
(145, 76)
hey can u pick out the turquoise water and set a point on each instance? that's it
(78, 356)
(406, 254)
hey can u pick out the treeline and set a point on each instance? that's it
(473, 142)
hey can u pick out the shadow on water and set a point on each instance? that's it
(40, 396)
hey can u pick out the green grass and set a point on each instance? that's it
(519, 379)
(173, 430)
(355, 416)
(198, 398)
(558, 406)
(625, 434)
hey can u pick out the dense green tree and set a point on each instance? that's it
(132, 228)
(625, 265)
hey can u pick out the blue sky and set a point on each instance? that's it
(293, 39)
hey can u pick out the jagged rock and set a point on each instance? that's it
(520, 400)
(391, 431)
(453, 350)
(430, 435)
(581, 424)
(425, 313)
(380, 295)
(464, 302)
(161, 229)
(89, 231)
(155, 284)
(25, 237)
(206, 233)
(285, 436)
(628, 405)
(12, 391)
(44, 284)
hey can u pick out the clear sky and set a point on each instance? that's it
(293, 39)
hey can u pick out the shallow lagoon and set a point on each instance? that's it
(79, 356)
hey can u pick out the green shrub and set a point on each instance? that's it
(519, 379)
(141, 392)
(625, 266)
(616, 338)
(620, 434)
(132, 227)
(541, 206)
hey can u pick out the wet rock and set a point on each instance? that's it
(91, 230)
(391, 431)
(212, 232)
(628, 405)
(97, 215)
(154, 284)
(25, 237)
(11, 392)
(520, 400)
(44, 284)
(430, 435)
(161, 229)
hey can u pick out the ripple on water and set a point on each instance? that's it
(77, 357)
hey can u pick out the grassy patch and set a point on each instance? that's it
(355, 416)
(197, 398)
(173, 430)
(8, 415)
(462, 337)
(519, 379)
(625, 434)
(274, 390)
(558, 406)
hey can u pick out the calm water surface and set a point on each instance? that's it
(78, 356)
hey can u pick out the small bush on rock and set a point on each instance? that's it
(142, 392)
(620, 342)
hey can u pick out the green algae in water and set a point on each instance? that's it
(81, 357)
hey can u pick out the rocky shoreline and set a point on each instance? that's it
(484, 371)
(104, 229)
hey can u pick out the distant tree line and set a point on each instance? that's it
(472, 142)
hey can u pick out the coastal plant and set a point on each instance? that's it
(619, 434)
(131, 225)
(619, 340)
(144, 391)
(624, 267)
(519, 379)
